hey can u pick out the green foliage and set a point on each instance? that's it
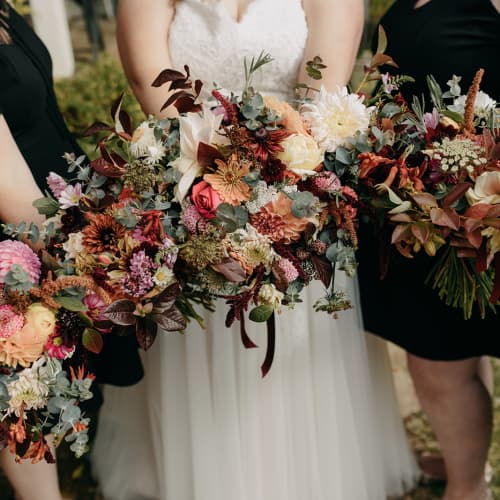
(375, 12)
(87, 97)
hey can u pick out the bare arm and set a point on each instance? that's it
(335, 28)
(18, 189)
(142, 34)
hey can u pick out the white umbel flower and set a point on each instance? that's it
(145, 145)
(336, 117)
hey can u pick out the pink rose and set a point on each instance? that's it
(206, 199)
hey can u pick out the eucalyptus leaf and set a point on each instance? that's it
(261, 314)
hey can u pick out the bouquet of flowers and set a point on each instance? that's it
(434, 178)
(262, 212)
(42, 376)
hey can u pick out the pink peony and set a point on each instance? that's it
(10, 322)
(16, 252)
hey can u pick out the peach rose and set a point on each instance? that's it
(290, 118)
(486, 189)
(26, 346)
(206, 199)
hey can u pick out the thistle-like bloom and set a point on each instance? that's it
(334, 118)
(228, 180)
(103, 234)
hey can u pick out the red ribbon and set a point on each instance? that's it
(247, 341)
(271, 344)
(495, 294)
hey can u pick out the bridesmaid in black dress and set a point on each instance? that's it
(33, 140)
(442, 38)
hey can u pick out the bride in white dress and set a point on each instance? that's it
(203, 425)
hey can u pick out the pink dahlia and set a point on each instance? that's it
(10, 322)
(16, 252)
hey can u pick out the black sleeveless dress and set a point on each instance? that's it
(29, 106)
(443, 38)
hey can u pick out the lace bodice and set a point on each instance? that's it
(205, 37)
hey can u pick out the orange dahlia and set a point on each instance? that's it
(102, 234)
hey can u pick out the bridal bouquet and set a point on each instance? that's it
(435, 179)
(262, 212)
(42, 378)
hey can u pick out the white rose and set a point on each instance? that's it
(270, 296)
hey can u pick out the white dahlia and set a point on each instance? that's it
(29, 390)
(336, 117)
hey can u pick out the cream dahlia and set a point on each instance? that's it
(336, 117)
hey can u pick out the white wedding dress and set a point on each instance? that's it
(203, 425)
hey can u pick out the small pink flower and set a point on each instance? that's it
(95, 306)
(431, 120)
(193, 220)
(10, 322)
(56, 184)
(70, 196)
(288, 269)
(327, 181)
(16, 252)
(388, 83)
(55, 347)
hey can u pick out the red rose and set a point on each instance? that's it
(206, 199)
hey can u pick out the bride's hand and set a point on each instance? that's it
(335, 28)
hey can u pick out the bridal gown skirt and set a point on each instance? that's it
(203, 425)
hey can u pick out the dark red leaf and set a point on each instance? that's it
(102, 167)
(171, 320)
(121, 312)
(179, 84)
(456, 193)
(97, 127)
(186, 104)
(207, 155)
(126, 122)
(198, 84)
(173, 98)
(478, 211)
(168, 75)
(446, 217)
(116, 104)
(146, 333)
(323, 269)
